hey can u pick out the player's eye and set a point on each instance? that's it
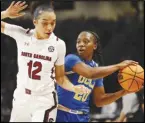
(44, 24)
(52, 23)
(78, 41)
(86, 41)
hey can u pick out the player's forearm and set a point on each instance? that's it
(109, 98)
(4, 15)
(101, 72)
(65, 83)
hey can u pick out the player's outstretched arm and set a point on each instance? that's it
(13, 11)
(100, 72)
(64, 82)
(100, 98)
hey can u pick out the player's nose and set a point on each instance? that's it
(81, 44)
(49, 28)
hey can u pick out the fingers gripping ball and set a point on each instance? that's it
(131, 78)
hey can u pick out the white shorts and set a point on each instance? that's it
(32, 108)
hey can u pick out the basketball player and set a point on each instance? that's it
(41, 57)
(82, 69)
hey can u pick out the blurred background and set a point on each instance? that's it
(120, 26)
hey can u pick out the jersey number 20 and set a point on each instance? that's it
(33, 74)
(81, 97)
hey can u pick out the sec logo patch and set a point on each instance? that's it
(51, 49)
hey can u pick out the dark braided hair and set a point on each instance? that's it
(37, 7)
(97, 56)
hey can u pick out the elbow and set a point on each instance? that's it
(59, 81)
(98, 104)
(101, 103)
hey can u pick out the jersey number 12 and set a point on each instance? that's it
(33, 74)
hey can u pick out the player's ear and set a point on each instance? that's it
(34, 22)
(95, 46)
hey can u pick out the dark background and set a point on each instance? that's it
(121, 38)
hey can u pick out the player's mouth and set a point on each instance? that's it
(81, 51)
(49, 33)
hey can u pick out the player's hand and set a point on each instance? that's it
(81, 89)
(126, 63)
(14, 10)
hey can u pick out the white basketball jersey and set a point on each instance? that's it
(36, 59)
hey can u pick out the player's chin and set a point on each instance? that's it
(81, 53)
(45, 36)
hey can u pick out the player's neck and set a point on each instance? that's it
(88, 58)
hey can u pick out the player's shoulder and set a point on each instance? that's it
(72, 56)
(59, 41)
(71, 60)
(19, 28)
(29, 31)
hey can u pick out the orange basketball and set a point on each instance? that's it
(131, 78)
